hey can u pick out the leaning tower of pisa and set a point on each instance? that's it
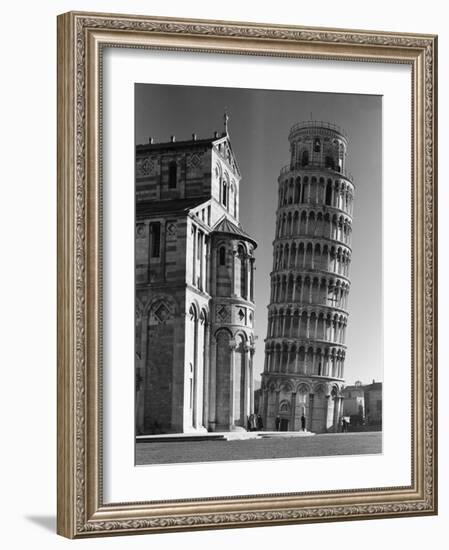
(307, 315)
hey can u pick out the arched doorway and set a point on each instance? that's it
(284, 415)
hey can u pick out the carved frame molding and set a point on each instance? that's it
(81, 37)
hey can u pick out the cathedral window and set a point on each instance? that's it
(155, 232)
(222, 254)
(225, 194)
(241, 273)
(234, 194)
(190, 386)
(172, 174)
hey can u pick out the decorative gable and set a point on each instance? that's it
(224, 149)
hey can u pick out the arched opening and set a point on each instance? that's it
(284, 360)
(224, 196)
(296, 223)
(329, 193)
(193, 373)
(222, 255)
(241, 274)
(297, 189)
(305, 194)
(287, 323)
(160, 340)
(302, 224)
(305, 158)
(286, 254)
(302, 358)
(284, 416)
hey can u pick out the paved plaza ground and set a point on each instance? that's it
(354, 443)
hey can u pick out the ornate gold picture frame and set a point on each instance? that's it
(82, 39)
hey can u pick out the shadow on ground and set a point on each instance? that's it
(46, 522)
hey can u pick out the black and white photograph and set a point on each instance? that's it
(258, 274)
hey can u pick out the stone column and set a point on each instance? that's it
(336, 407)
(212, 384)
(213, 268)
(233, 347)
(310, 419)
(265, 408)
(340, 409)
(251, 295)
(208, 266)
(326, 411)
(144, 346)
(248, 277)
(201, 263)
(251, 380)
(206, 263)
(234, 253)
(276, 404)
(293, 411)
(246, 385)
(196, 420)
(194, 281)
(207, 363)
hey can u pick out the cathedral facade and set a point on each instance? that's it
(307, 316)
(194, 289)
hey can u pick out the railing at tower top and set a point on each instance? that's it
(307, 124)
(315, 166)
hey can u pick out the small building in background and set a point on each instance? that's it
(373, 405)
(354, 403)
(363, 406)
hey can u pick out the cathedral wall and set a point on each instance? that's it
(159, 375)
(173, 174)
(195, 364)
(194, 332)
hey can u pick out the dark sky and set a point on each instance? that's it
(259, 123)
